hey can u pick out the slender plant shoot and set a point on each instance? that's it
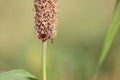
(114, 26)
(45, 25)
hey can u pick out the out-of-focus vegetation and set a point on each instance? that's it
(17, 75)
(114, 27)
(82, 28)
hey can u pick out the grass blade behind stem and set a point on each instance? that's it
(114, 26)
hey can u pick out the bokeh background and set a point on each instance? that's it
(74, 55)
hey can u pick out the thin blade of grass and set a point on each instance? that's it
(115, 24)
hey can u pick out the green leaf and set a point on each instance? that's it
(114, 26)
(17, 75)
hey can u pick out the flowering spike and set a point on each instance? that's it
(45, 18)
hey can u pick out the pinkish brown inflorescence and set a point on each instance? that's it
(45, 18)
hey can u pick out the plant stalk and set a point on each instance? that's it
(43, 61)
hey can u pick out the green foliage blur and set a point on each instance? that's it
(82, 28)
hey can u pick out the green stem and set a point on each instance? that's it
(44, 76)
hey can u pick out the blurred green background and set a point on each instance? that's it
(74, 55)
